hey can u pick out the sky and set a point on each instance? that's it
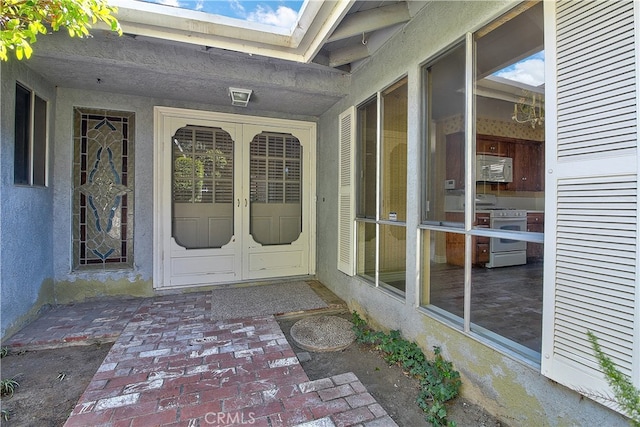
(529, 70)
(278, 13)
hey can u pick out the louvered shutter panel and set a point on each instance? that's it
(592, 214)
(346, 209)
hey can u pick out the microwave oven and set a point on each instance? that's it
(494, 168)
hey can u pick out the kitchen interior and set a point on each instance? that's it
(506, 274)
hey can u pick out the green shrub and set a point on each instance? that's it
(625, 394)
(439, 382)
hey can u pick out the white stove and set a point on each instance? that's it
(504, 252)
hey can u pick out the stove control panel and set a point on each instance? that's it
(509, 213)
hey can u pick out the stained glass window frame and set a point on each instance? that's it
(103, 189)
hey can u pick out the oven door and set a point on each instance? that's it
(499, 244)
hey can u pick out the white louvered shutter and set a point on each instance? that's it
(591, 276)
(346, 207)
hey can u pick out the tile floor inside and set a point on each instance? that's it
(171, 365)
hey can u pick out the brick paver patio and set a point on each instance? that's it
(171, 365)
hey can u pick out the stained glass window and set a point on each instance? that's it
(103, 189)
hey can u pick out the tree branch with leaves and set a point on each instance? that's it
(21, 21)
(626, 395)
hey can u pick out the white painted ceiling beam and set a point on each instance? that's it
(371, 20)
(348, 54)
(327, 27)
(373, 42)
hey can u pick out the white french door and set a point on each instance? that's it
(233, 198)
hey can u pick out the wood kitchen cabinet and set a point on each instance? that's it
(455, 241)
(535, 224)
(528, 166)
(528, 160)
(496, 146)
(480, 244)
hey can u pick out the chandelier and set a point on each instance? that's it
(529, 109)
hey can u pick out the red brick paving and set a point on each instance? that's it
(83, 322)
(171, 365)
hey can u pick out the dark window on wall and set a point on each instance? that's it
(30, 152)
(23, 136)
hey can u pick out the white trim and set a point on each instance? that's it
(346, 191)
(470, 168)
(169, 116)
(591, 207)
(379, 118)
(550, 161)
(301, 43)
(636, 332)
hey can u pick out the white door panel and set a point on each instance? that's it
(215, 223)
(278, 219)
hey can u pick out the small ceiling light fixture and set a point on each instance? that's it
(529, 109)
(239, 97)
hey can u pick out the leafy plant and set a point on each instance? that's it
(8, 386)
(21, 21)
(625, 394)
(4, 351)
(4, 415)
(439, 382)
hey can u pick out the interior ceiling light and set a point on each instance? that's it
(529, 109)
(239, 97)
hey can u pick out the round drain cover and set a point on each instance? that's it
(322, 333)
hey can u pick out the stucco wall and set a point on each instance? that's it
(510, 388)
(26, 221)
(35, 223)
(78, 285)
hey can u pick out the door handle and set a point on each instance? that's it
(245, 203)
(238, 202)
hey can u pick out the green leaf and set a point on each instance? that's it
(27, 49)
(22, 21)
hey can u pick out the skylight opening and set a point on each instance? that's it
(280, 14)
(528, 71)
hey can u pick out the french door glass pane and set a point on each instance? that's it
(443, 272)
(366, 250)
(507, 301)
(509, 99)
(506, 288)
(394, 153)
(202, 191)
(393, 244)
(367, 160)
(275, 188)
(445, 142)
